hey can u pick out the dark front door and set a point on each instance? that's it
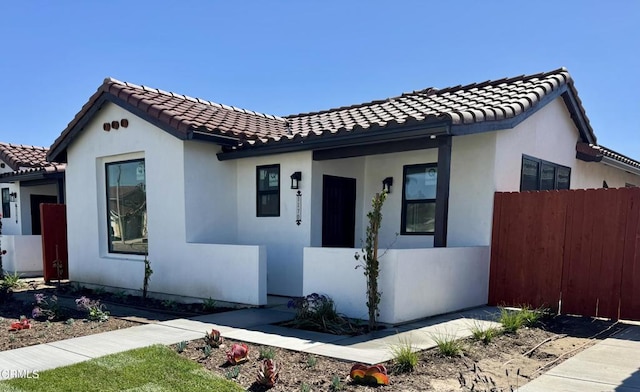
(36, 200)
(338, 212)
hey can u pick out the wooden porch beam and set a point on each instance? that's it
(442, 191)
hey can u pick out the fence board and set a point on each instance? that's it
(630, 280)
(580, 246)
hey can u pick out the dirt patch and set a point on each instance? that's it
(510, 360)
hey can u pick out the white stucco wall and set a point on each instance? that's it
(210, 191)
(282, 238)
(25, 202)
(415, 283)
(377, 168)
(195, 270)
(471, 190)
(24, 254)
(592, 174)
(551, 135)
(13, 224)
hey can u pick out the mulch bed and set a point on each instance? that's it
(562, 337)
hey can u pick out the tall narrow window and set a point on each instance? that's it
(6, 203)
(127, 207)
(268, 190)
(419, 199)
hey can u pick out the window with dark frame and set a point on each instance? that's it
(6, 203)
(268, 190)
(126, 207)
(539, 175)
(419, 186)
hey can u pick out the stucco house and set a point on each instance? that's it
(26, 181)
(234, 205)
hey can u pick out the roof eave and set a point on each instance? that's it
(58, 151)
(568, 96)
(30, 176)
(355, 137)
(620, 165)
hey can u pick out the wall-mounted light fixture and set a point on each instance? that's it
(13, 196)
(387, 183)
(295, 180)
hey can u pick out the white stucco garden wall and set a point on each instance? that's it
(24, 254)
(180, 268)
(415, 283)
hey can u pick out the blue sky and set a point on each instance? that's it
(286, 57)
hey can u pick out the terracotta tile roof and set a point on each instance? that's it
(184, 116)
(477, 102)
(27, 161)
(17, 156)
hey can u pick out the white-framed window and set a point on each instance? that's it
(126, 197)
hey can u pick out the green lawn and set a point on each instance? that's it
(150, 369)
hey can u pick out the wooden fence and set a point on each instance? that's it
(55, 259)
(577, 251)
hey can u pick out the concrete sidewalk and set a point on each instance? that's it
(611, 365)
(249, 325)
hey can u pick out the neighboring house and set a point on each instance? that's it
(26, 181)
(233, 204)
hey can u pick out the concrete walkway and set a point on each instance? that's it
(611, 365)
(249, 325)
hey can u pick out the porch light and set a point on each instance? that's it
(296, 177)
(387, 183)
(13, 196)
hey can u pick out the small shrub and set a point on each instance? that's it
(312, 361)
(213, 338)
(404, 356)
(369, 375)
(207, 351)
(209, 304)
(120, 296)
(317, 312)
(234, 372)
(94, 309)
(336, 384)
(305, 387)
(180, 347)
(169, 304)
(99, 291)
(238, 353)
(531, 317)
(11, 281)
(448, 345)
(482, 333)
(514, 319)
(69, 321)
(268, 373)
(267, 353)
(23, 323)
(46, 308)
